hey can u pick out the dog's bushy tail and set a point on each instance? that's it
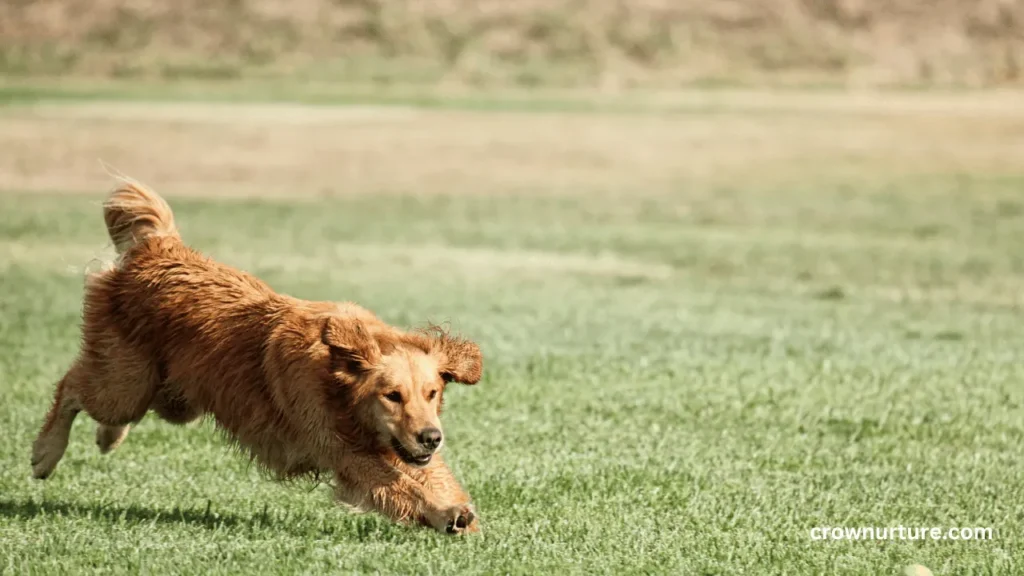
(133, 213)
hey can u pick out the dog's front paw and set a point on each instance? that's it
(459, 519)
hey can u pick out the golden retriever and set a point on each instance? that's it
(306, 388)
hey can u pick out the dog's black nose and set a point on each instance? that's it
(429, 438)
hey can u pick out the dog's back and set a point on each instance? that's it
(166, 295)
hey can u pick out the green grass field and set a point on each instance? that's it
(685, 381)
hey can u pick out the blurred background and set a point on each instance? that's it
(889, 76)
(597, 44)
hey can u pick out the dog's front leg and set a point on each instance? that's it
(440, 481)
(369, 482)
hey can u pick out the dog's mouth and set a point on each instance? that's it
(407, 456)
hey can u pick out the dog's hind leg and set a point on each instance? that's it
(119, 395)
(52, 441)
(122, 382)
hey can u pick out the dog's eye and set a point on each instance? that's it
(433, 393)
(394, 396)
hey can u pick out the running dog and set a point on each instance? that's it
(305, 388)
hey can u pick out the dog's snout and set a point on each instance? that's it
(429, 438)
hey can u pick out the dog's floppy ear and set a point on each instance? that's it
(460, 359)
(353, 348)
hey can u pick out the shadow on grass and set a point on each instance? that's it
(353, 527)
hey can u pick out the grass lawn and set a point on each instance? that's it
(684, 381)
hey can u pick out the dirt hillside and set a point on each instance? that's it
(603, 43)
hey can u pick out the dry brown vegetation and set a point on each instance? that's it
(609, 44)
(755, 141)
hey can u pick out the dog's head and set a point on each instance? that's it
(392, 383)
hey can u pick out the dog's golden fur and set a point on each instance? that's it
(304, 387)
